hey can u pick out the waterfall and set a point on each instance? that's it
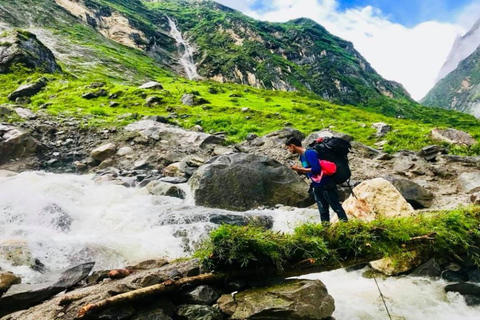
(66, 219)
(185, 51)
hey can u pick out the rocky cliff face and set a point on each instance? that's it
(462, 48)
(460, 90)
(297, 55)
(228, 46)
(459, 84)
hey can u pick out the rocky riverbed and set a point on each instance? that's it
(163, 161)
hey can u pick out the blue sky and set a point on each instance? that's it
(412, 12)
(404, 40)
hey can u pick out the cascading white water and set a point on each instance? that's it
(185, 50)
(67, 219)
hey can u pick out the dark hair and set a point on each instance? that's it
(294, 141)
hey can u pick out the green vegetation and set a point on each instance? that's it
(267, 110)
(233, 247)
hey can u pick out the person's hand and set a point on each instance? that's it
(295, 167)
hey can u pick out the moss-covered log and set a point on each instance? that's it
(444, 233)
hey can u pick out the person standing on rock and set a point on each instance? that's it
(324, 189)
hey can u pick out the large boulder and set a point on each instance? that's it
(28, 90)
(176, 136)
(294, 299)
(161, 188)
(382, 128)
(151, 85)
(22, 47)
(453, 136)
(15, 143)
(470, 181)
(415, 194)
(377, 198)
(23, 296)
(245, 181)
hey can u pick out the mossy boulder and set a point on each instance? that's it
(244, 181)
(294, 299)
(23, 47)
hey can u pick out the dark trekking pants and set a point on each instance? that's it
(327, 197)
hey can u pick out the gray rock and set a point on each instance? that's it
(475, 198)
(23, 47)
(430, 153)
(104, 152)
(23, 296)
(244, 181)
(227, 304)
(152, 101)
(28, 90)
(470, 181)
(464, 288)
(382, 128)
(453, 136)
(416, 195)
(151, 85)
(5, 111)
(7, 173)
(294, 300)
(160, 131)
(199, 312)
(204, 295)
(193, 100)
(173, 180)
(25, 113)
(428, 269)
(125, 151)
(95, 94)
(160, 188)
(15, 143)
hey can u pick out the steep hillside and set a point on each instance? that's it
(460, 90)
(462, 48)
(297, 55)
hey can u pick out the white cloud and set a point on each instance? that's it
(411, 56)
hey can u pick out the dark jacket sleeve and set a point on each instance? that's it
(312, 160)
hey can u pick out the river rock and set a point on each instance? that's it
(294, 299)
(160, 188)
(7, 279)
(453, 136)
(23, 47)
(416, 195)
(177, 136)
(196, 312)
(244, 181)
(104, 152)
(398, 264)
(28, 90)
(470, 291)
(382, 128)
(151, 85)
(227, 304)
(205, 295)
(23, 296)
(377, 198)
(429, 269)
(469, 181)
(125, 152)
(15, 143)
(16, 252)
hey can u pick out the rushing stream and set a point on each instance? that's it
(68, 219)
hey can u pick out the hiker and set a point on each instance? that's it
(324, 187)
